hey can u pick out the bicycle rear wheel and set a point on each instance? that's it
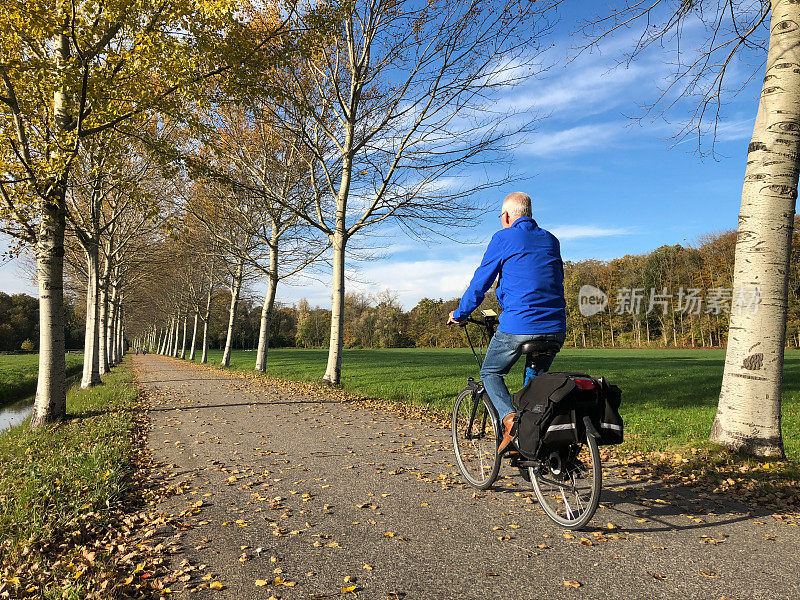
(475, 439)
(567, 483)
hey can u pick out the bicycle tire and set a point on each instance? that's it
(475, 450)
(570, 512)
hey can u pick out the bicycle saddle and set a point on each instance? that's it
(540, 347)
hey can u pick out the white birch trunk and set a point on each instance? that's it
(235, 289)
(269, 304)
(194, 332)
(51, 389)
(102, 350)
(120, 333)
(204, 358)
(168, 349)
(109, 333)
(333, 372)
(183, 342)
(266, 322)
(175, 335)
(91, 359)
(749, 412)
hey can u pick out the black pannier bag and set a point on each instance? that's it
(608, 421)
(550, 411)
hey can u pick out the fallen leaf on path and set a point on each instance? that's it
(571, 583)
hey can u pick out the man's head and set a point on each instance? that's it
(515, 205)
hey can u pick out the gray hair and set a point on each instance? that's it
(517, 204)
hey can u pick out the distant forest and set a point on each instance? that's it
(19, 324)
(674, 296)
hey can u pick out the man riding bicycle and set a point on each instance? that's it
(526, 260)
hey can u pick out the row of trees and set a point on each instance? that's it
(273, 119)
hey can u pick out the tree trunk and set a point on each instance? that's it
(168, 347)
(235, 289)
(194, 332)
(111, 322)
(102, 350)
(120, 332)
(51, 389)
(183, 343)
(611, 330)
(333, 372)
(204, 358)
(175, 337)
(749, 411)
(167, 338)
(91, 359)
(269, 304)
(266, 322)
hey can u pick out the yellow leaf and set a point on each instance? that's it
(349, 589)
(261, 582)
(570, 583)
(216, 585)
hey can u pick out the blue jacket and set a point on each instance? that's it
(530, 291)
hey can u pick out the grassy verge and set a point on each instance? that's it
(57, 487)
(669, 396)
(18, 374)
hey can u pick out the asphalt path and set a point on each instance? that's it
(288, 492)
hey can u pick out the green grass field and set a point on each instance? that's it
(669, 396)
(18, 373)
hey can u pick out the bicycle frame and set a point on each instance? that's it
(477, 389)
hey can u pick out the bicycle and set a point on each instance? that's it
(566, 480)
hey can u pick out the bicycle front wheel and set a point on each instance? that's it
(475, 439)
(567, 483)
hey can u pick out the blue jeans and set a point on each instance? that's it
(502, 353)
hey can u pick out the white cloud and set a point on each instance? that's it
(575, 232)
(575, 139)
(580, 89)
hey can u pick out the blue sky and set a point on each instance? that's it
(605, 184)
